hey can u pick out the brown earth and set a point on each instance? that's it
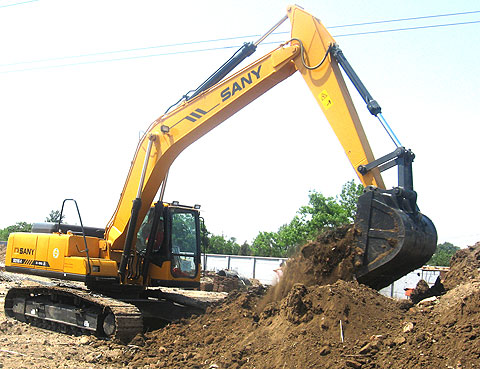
(322, 318)
(464, 267)
(323, 261)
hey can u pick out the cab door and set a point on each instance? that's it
(184, 242)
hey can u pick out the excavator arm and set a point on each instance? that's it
(308, 52)
(170, 134)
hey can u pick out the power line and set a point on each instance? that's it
(202, 50)
(119, 59)
(406, 19)
(241, 37)
(407, 28)
(127, 50)
(23, 2)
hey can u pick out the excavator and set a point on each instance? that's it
(149, 244)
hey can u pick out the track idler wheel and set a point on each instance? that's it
(108, 325)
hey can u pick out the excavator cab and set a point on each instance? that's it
(168, 243)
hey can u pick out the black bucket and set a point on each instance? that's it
(394, 236)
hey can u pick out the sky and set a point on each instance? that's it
(81, 80)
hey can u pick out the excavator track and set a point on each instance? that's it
(74, 309)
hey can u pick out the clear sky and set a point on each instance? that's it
(81, 80)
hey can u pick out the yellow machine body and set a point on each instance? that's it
(58, 255)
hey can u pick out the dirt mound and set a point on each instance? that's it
(305, 329)
(329, 258)
(464, 267)
(342, 325)
(460, 305)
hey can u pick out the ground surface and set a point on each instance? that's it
(299, 324)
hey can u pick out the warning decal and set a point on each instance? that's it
(325, 99)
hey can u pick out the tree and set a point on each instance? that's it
(204, 237)
(443, 254)
(266, 244)
(348, 198)
(17, 227)
(322, 212)
(54, 216)
(215, 244)
(220, 245)
(245, 249)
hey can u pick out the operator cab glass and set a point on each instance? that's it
(185, 243)
(144, 233)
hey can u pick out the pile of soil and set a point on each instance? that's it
(303, 330)
(464, 267)
(332, 256)
(342, 325)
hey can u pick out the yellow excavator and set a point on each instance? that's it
(146, 246)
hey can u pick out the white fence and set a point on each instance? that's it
(258, 267)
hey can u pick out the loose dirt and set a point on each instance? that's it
(464, 267)
(327, 259)
(321, 319)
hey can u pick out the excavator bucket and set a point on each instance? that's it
(394, 236)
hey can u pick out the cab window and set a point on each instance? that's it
(184, 244)
(145, 230)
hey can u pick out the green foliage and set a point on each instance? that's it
(266, 244)
(27, 227)
(204, 237)
(443, 254)
(321, 212)
(18, 227)
(54, 216)
(245, 249)
(220, 245)
(348, 198)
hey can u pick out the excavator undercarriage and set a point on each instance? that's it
(77, 310)
(74, 310)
